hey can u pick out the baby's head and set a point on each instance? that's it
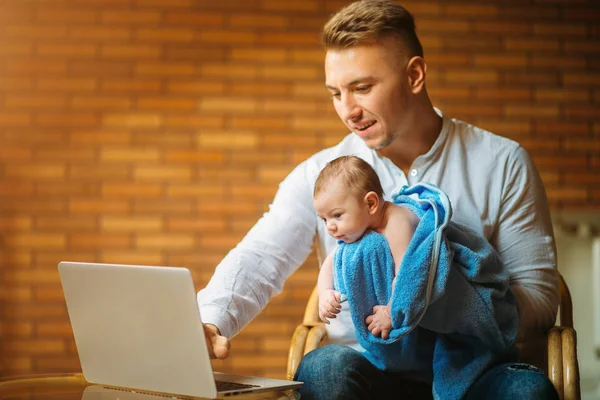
(347, 196)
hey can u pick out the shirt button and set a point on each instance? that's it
(413, 172)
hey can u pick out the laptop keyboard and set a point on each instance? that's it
(223, 386)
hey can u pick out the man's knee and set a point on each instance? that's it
(328, 361)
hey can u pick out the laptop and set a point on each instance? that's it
(138, 328)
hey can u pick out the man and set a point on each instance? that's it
(376, 73)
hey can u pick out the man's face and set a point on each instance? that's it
(370, 90)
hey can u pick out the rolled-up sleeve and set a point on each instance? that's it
(256, 269)
(525, 241)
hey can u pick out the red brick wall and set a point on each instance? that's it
(156, 132)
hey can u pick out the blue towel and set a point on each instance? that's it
(453, 313)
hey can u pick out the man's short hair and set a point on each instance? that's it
(355, 175)
(370, 21)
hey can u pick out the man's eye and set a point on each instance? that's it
(363, 89)
(336, 96)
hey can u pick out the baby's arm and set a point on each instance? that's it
(329, 299)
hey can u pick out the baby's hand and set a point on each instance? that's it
(380, 323)
(329, 304)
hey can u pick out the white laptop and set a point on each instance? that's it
(138, 328)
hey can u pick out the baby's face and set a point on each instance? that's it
(345, 214)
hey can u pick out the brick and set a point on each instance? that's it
(587, 145)
(51, 257)
(291, 73)
(166, 241)
(259, 89)
(131, 224)
(194, 157)
(113, 69)
(16, 49)
(513, 94)
(195, 19)
(67, 84)
(36, 171)
(468, 10)
(472, 44)
(98, 206)
(15, 223)
(471, 77)
(531, 111)
(224, 174)
(229, 71)
(161, 3)
(582, 46)
(500, 61)
(65, 189)
(194, 121)
(561, 29)
(588, 178)
(258, 56)
(14, 153)
(504, 28)
(226, 206)
(133, 17)
(65, 154)
(98, 172)
(257, 20)
(41, 101)
(16, 295)
(130, 51)
(250, 191)
(194, 190)
(36, 206)
(531, 44)
(572, 128)
(473, 110)
(294, 141)
(162, 173)
(61, 224)
(65, 119)
(273, 173)
(34, 346)
(35, 66)
(225, 37)
(168, 139)
(291, 5)
(310, 90)
(165, 69)
(129, 189)
(68, 16)
(531, 78)
(131, 85)
(34, 241)
(129, 154)
(261, 123)
(581, 111)
(205, 224)
(566, 193)
(57, 364)
(216, 241)
(84, 240)
(100, 33)
(565, 162)
(167, 103)
(133, 257)
(100, 103)
(171, 207)
(333, 123)
(583, 79)
(165, 34)
(562, 95)
(535, 144)
(66, 50)
(189, 51)
(445, 59)
(278, 106)
(196, 87)
(289, 39)
(443, 26)
(54, 329)
(227, 140)
(16, 83)
(35, 32)
(228, 104)
(133, 120)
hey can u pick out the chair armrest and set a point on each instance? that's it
(305, 339)
(563, 367)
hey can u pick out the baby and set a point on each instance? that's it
(348, 198)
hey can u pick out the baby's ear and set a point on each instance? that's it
(372, 201)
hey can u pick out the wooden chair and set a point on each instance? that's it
(561, 362)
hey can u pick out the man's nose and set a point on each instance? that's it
(350, 110)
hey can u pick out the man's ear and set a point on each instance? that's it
(417, 71)
(372, 201)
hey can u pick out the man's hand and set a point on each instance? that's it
(329, 304)
(380, 323)
(218, 346)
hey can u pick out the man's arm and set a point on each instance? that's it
(524, 240)
(256, 269)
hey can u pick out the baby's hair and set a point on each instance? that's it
(354, 173)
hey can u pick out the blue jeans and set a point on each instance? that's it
(339, 372)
